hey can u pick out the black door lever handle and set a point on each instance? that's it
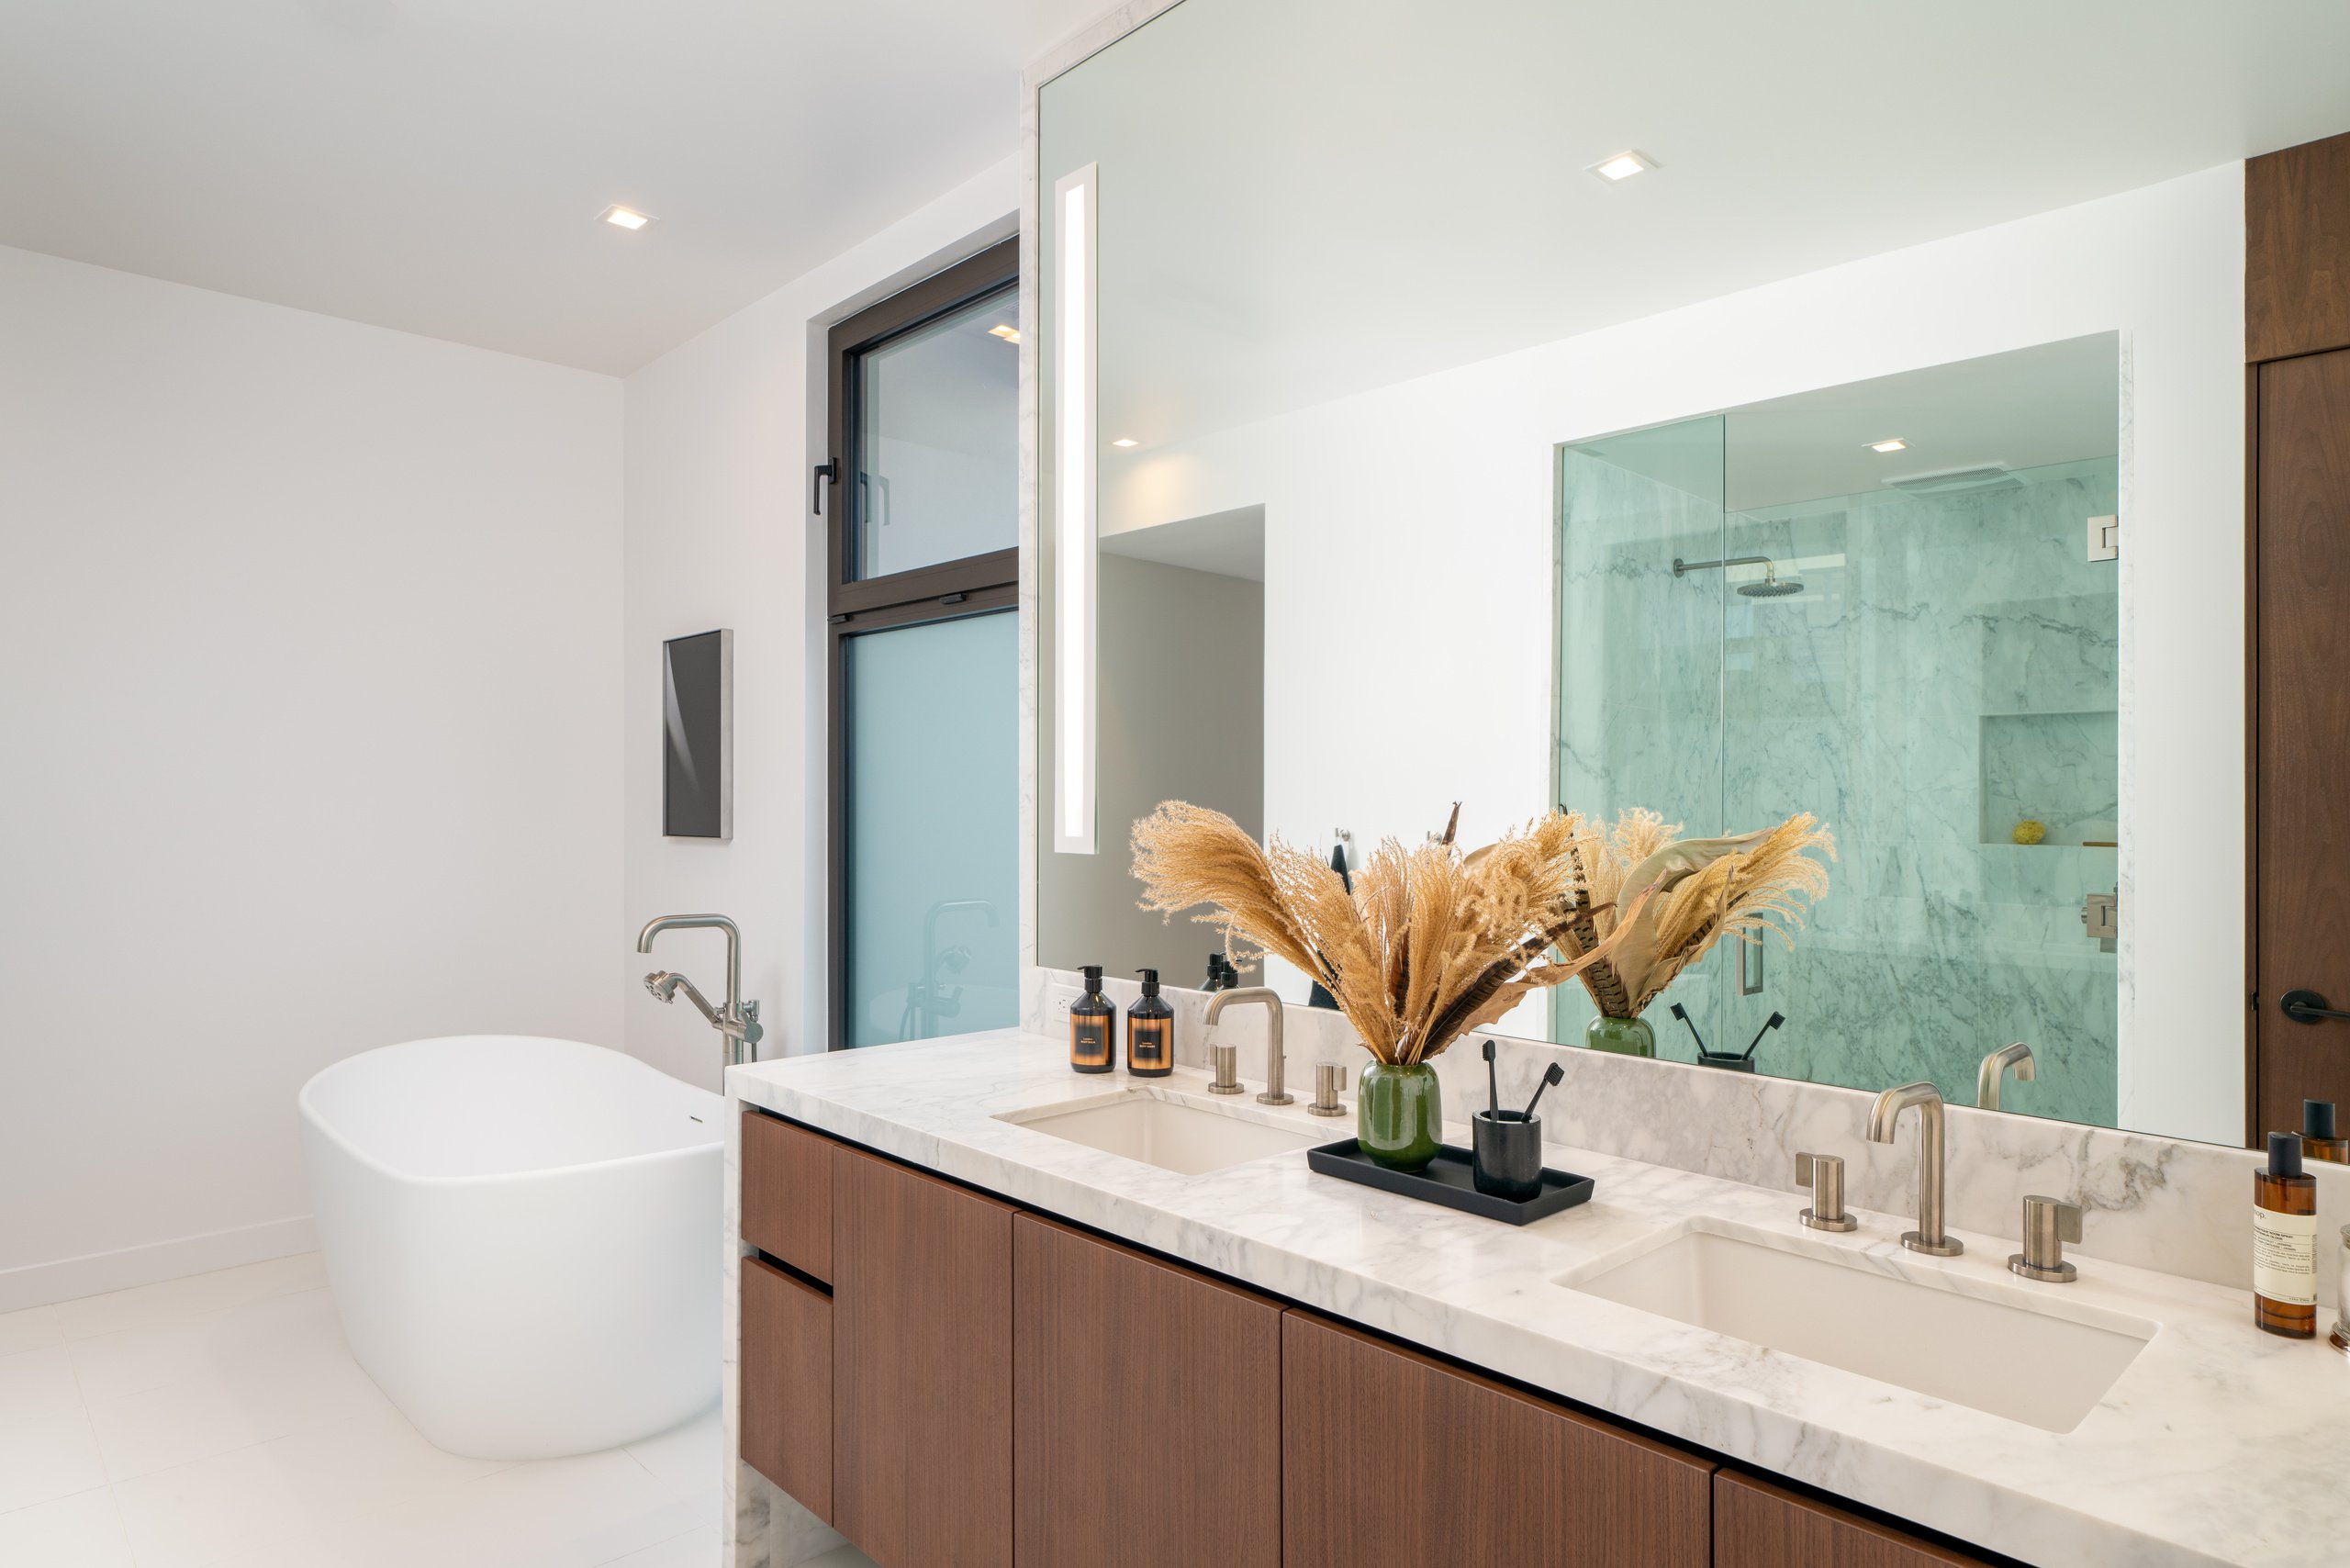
(2308, 1007)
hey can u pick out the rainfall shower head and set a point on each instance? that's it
(1773, 586)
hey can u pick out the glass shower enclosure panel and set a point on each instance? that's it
(1932, 670)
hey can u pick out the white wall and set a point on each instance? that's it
(722, 432)
(309, 643)
(1428, 506)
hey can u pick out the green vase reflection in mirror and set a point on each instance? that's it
(1624, 1036)
(1399, 1115)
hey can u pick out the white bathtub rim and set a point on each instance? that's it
(327, 1129)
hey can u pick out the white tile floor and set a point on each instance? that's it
(220, 1419)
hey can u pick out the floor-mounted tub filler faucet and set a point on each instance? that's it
(738, 1020)
(1927, 1238)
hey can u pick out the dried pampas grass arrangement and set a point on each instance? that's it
(1433, 943)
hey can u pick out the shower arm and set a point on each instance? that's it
(1680, 566)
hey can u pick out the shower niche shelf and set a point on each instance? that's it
(2060, 769)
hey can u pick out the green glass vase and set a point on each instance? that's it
(1399, 1115)
(1623, 1036)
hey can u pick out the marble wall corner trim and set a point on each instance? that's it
(2154, 1202)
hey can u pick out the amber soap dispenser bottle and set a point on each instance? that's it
(2284, 1242)
(1092, 1027)
(1150, 1032)
(2319, 1139)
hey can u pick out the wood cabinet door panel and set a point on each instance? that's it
(788, 1194)
(1391, 1460)
(1147, 1407)
(787, 1389)
(2302, 732)
(1757, 1525)
(922, 1385)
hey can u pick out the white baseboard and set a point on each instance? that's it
(70, 1279)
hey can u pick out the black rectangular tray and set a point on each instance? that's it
(1448, 1181)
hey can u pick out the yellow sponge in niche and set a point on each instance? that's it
(2031, 831)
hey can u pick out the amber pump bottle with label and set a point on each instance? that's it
(2284, 1242)
(1092, 1027)
(2319, 1140)
(1150, 1031)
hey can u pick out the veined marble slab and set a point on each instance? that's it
(2219, 1443)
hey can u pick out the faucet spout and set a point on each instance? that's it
(1276, 1090)
(1885, 1115)
(1996, 1066)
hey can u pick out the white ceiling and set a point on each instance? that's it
(438, 165)
(1305, 199)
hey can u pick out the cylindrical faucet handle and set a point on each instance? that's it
(2048, 1224)
(1225, 1062)
(1329, 1078)
(1824, 1174)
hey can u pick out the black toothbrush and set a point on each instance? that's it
(1552, 1076)
(1492, 1080)
(1768, 1024)
(1679, 1013)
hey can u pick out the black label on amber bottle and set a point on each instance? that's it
(1089, 1044)
(1148, 1041)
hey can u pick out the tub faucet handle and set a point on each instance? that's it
(1824, 1174)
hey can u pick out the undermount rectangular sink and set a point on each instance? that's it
(1843, 1310)
(1173, 1134)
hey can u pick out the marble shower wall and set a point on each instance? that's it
(1949, 670)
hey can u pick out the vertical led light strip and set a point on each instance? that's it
(1073, 542)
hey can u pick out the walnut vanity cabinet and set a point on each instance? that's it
(1146, 1410)
(922, 1367)
(1366, 1482)
(1757, 1525)
(951, 1383)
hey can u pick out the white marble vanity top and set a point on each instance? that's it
(2218, 1443)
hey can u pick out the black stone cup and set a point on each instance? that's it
(1507, 1161)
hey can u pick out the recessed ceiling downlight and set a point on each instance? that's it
(1622, 166)
(626, 218)
(1008, 334)
(1125, 441)
(1895, 445)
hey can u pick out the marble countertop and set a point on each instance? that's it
(2218, 1444)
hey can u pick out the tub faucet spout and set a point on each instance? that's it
(738, 1021)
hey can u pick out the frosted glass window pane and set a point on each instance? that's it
(937, 461)
(933, 864)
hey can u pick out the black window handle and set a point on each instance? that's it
(826, 474)
(2308, 1007)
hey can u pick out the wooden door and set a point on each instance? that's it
(1147, 1404)
(787, 1392)
(1757, 1525)
(922, 1384)
(2302, 732)
(1390, 1460)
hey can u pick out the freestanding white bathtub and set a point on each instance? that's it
(524, 1238)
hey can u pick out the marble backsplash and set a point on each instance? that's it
(2154, 1203)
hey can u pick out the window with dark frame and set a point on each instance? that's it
(918, 502)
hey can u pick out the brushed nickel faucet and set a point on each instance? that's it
(1996, 1066)
(1275, 1093)
(2048, 1224)
(738, 1021)
(1883, 1116)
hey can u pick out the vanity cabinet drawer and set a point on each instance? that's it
(1119, 1357)
(787, 1409)
(1757, 1525)
(1390, 1460)
(788, 1192)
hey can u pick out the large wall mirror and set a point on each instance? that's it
(1873, 447)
